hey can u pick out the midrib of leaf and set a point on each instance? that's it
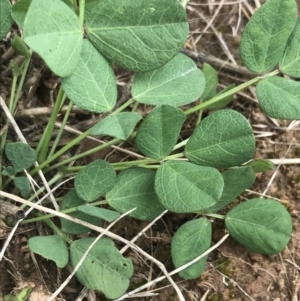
(133, 27)
(220, 144)
(99, 262)
(240, 221)
(115, 49)
(190, 183)
(165, 82)
(271, 35)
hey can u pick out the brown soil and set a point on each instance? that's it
(232, 272)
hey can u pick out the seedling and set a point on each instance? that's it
(216, 164)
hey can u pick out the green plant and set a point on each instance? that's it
(217, 163)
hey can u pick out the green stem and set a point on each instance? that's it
(219, 216)
(230, 92)
(81, 11)
(135, 106)
(43, 146)
(181, 144)
(124, 106)
(87, 153)
(60, 152)
(14, 97)
(56, 230)
(61, 129)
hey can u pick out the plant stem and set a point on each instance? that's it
(219, 216)
(14, 96)
(125, 105)
(87, 153)
(231, 92)
(43, 146)
(61, 129)
(60, 152)
(81, 11)
(56, 230)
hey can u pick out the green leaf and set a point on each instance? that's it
(92, 84)
(225, 101)
(95, 180)
(266, 34)
(20, 155)
(190, 241)
(211, 77)
(102, 213)
(159, 132)
(135, 189)
(19, 11)
(184, 187)
(279, 97)
(5, 18)
(223, 139)
(104, 268)
(290, 63)
(23, 184)
(58, 43)
(261, 165)
(118, 125)
(71, 200)
(8, 171)
(50, 247)
(19, 46)
(261, 225)
(137, 35)
(177, 83)
(236, 181)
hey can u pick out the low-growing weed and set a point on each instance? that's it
(79, 43)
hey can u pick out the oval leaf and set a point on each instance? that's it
(104, 268)
(71, 200)
(5, 18)
(211, 77)
(177, 83)
(223, 139)
(236, 181)
(92, 84)
(118, 125)
(95, 180)
(279, 97)
(290, 63)
(19, 11)
(266, 34)
(159, 132)
(261, 165)
(50, 247)
(20, 155)
(190, 241)
(261, 225)
(23, 184)
(135, 189)
(58, 43)
(19, 46)
(184, 187)
(105, 214)
(137, 35)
